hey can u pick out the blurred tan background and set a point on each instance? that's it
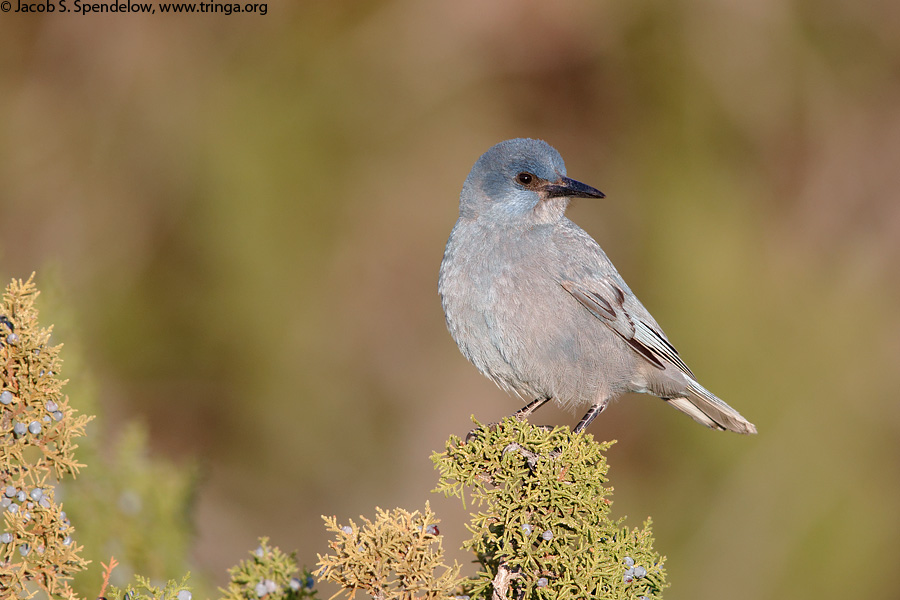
(244, 216)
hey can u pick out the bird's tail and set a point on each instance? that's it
(705, 408)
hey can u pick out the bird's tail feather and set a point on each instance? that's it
(705, 408)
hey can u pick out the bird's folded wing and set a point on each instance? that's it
(606, 301)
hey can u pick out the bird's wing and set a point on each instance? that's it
(606, 300)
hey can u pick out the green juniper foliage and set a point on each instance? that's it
(143, 589)
(543, 528)
(270, 574)
(398, 556)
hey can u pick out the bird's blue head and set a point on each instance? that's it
(520, 181)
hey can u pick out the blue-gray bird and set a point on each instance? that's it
(535, 304)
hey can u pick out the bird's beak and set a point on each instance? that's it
(569, 188)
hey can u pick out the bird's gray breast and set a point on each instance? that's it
(509, 314)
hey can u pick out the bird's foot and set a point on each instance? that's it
(531, 458)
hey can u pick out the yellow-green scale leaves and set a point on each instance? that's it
(543, 526)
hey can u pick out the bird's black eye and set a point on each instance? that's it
(525, 178)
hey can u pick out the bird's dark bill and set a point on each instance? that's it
(569, 188)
